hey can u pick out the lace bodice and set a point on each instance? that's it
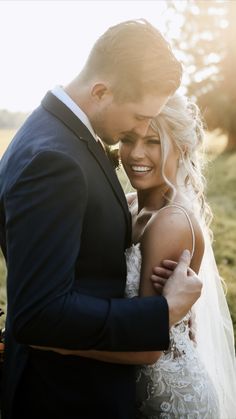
(177, 385)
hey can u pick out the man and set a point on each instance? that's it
(65, 226)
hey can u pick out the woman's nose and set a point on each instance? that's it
(137, 151)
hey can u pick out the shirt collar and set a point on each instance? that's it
(60, 93)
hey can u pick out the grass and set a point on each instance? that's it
(221, 194)
(222, 198)
(5, 136)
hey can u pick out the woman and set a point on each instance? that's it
(196, 377)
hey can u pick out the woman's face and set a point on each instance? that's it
(142, 160)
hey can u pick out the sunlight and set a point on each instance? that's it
(47, 42)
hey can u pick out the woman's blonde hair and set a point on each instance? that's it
(181, 123)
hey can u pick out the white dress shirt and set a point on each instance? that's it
(60, 93)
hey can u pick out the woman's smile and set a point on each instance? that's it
(142, 160)
(140, 169)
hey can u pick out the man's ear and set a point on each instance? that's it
(99, 91)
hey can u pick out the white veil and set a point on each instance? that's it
(214, 328)
(215, 334)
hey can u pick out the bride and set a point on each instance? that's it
(196, 376)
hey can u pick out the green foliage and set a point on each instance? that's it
(222, 197)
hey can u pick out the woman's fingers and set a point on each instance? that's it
(167, 268)
(158, 280)
(169, 264)
(158, 283)
(162, 272)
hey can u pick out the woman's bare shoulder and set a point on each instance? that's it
(173, 229)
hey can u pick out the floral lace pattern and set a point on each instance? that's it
(177, 385)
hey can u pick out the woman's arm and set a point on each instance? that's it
(166, 235)
(173, 228)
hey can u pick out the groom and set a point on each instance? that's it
(64, 229)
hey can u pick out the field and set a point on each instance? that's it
(221, 195)
(5, 136)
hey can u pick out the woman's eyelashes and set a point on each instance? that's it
(153, 140)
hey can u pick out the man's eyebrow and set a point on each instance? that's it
(152, 136)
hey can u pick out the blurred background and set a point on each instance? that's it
(44, 43)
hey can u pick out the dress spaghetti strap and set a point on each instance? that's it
(189, 221)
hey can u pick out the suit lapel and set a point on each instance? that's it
(52, 104)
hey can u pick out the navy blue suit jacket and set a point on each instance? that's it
(64, 228)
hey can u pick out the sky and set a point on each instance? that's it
(45, 43)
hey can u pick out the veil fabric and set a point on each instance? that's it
(214, 332)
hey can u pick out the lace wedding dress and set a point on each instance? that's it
(177, 385)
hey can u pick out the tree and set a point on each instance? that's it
(207, 44)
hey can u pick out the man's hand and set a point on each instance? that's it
(179, 284)
(162, 273)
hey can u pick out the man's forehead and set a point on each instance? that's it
(150, 106)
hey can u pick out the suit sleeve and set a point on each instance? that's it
(45, 208)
